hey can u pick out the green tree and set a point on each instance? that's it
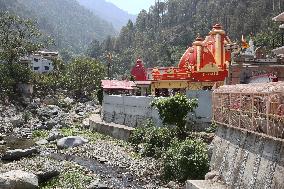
(83, 76)
(173, 111)
(18, 37)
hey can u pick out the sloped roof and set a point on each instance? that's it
(279, 18)
(115, 84)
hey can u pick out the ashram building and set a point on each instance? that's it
(41, 61)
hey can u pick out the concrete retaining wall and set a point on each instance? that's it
(131, 111)
(248, 160)
(134, 111)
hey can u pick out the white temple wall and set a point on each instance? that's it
(134, 111)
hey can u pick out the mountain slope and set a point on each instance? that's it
(161, 35)
(108, 11)
(72, 26)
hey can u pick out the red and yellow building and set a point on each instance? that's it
(203, 65)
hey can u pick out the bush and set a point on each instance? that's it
(212, 128)
(186, 160)
(173, 111)
(155, 140)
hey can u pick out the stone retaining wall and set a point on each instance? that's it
(248, 160)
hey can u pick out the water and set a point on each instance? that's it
(114, 177)
(13, 142)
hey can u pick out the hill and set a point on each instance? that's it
(108, 12)
(161, 35)
(71, 25)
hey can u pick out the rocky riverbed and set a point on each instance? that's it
(56, 149)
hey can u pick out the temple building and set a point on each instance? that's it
(202, 66)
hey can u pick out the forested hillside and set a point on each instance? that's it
(70, 25)
(108, 12)
(161, 35)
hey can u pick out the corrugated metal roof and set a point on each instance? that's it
(279, 18)
(115, 84)
(143, 82)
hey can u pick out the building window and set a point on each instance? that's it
(36, 68)
(46, 68)
(35, 59)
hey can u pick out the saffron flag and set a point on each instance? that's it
(245, 45)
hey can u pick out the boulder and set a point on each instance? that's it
(51, 123)
(54, 135)
(68, 101)
(50, 100)
(212, 175)
(17, 154)
(44, 176)
(18, 179)
(17, 121)
(48, 111)
(71, 141)
(41, 142)
(2, 136)
(2, 142)
(97, 185)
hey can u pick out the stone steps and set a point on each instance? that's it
(114, 130)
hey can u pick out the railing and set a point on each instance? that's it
(253, 107)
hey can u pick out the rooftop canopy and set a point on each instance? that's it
(279, 18)
(115, 84)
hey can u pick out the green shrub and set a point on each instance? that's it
(185, 160)
(155, 140)
(100, 96)
(212, 128)
(39, 134)
(27, 116)
(173, 111)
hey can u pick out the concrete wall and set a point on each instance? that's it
(134, 111)
(247, 160)
(204, 110)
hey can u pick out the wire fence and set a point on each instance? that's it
(253, 107)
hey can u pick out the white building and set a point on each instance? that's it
(41, 61)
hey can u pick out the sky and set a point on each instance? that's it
(133, 6)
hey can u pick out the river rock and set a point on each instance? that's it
(17, 154)
(50, 100)
(71, 141)
(97, 185)
(211, 175)
(44, 176)
(54, 135)
(2, 142)
(51, 123)
(18, 180)
(173, 185)
(68, 101)
(17, 121)
(41, 142)
(48, 111)
(2, 136)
